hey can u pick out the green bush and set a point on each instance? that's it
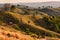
(53, 21)
(28, 31)
(16, 27)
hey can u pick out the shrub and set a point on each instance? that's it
(16, 27)
(28, 31)
(9, 18)
(53, 21)
(8, 35)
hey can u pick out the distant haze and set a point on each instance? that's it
(40, 4)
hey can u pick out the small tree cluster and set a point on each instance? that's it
(53, 22)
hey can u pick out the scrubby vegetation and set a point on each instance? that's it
(32, 22)
(53, 23)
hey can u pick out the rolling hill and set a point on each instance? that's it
(29, 24)
(40, 4)
(51, 11)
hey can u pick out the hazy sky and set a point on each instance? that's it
(17, 1)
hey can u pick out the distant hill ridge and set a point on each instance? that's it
(54, 4)
(40, 4)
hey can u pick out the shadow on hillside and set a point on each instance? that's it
(35, 31)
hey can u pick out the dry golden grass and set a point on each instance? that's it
(15, 35)
(25, 20)
(8, 35)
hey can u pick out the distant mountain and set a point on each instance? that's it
(40, 4)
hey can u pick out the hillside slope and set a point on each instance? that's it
(24, 19)
(51, 11)
(13, 24)
(12, 34)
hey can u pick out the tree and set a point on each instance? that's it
(26, 7)
(18, 5)
(38, 8)
(12, 7)
(42, 6)
(49, 6)
(7, 7)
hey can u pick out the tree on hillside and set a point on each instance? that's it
(38, 8)
(18, 5)
(12, 7)
(42, 6)
(26, 6)
(53, 22)
(6, 7)
(51, 6)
